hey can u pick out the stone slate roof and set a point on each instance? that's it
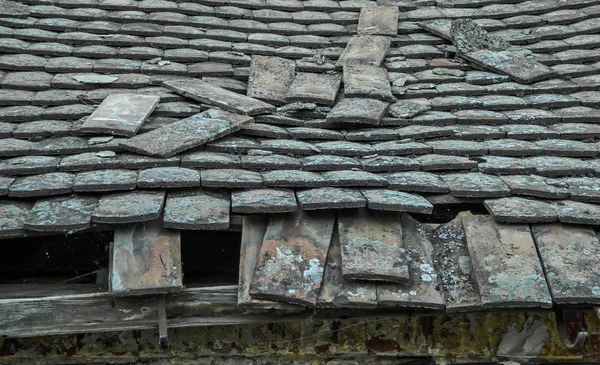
(422, 116)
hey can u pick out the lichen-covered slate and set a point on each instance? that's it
(66, 213)
(569, 211)
(537, 186)
(341, 293)
(370, 49)
(263, 201)
(476, 185)
(231, 178)
(451, 258)
(363, 80)
(292, 258)
(197, 210)
(520, 69)
(5, 183)
(468, 36)
(270, 78)
(121, 114)
(358, 110)
(219, 97)
(12, 217)
(424, 289)
(372, 246)
(129, 207)
(105, 180)
(330, 198)
(571, 258)
(392, 200)
(54, 183)
(418, 181)
(183, 135)
(378, 20)
(314, 88)
(168, 177)
(145, 259)
(520, 210)
(505, 263)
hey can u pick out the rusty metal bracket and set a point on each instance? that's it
(163, 336)
(562, 332)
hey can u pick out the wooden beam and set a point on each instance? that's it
(145, 259)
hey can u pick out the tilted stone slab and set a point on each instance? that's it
(183, 135)
(197, 210)
(468, 36)
(358, 110)
(571, 258)
(292, 258)
(314, 88)
(418, 181)
(121, 114)
(217, 96)
(391, 200)
(505, 264)
(60, 214)
(520, 69)
(12, 217)
(372, 246)
(363, 80)
(263, 201)
(537, 186)
(330, 198)
(370, 49)
(130, 207)
(378, 20)
(270, 78)
(476, 185)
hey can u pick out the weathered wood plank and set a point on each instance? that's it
(253, 232)
(22, 291)
(423, 290)
(371, 246)
(292, 257)
(146, 258)
(451, 256)
(505, 263)
(338, 292)
(571, 258)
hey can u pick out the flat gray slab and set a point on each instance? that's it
(263, 201)
(197, 210)
(28, 165)
(293, 178)
(571, 258)
(146, 259)
(407, 110)
(418, 181)
(424, 289)
(521, 210)
(60, 214)
(105, 180)
(476, 185)
(168, 177)
(358, 110)
(372, 246)
(54, 183)
(378, 20)
(362, 80)
(330, 198)
(314, 88)
(217, 96)
(537, 186)
(585, 189)
(344, 178)
(370, 49)
(121, 114)
(454, 263)
(392, 200)
(505, 263)
(130, 207)
(231, 178)
(578, 213)
(520, 69)
(435, 162)
(270, 78)
(12, 217)
(183, 135)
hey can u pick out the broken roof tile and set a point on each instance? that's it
(314, 88)
(578, 212)
(328, 163)
(520, 69)
(537, 186)
(365, 80)
(433, 162)
(521, 210)
(231, 178)
(12, 217)
(476, 185)
(366, 48)
(346, 178)
(70, 213)
(197, 210)
(330, 198)
(105, 180)
(129, 207)
(378, 20)
(391, 200)
(357, 110)
(263, 201)
(270, 78)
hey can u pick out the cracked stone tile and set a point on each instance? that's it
(423, 132)
(365, 80)
(197, 210)
(314, 133)
(407, 110)
(566, 148)
(346, 178)
(270, 162)
(521, 210)
(232, 144)
(12, 217)
(477, 132)
(512, 147)
(537, 186)
(468, 36)
(520, 69)
(293, 178)
(502, 102)
(577, 212)
(231, 178)
(458, 147)
(129, 207)
(270, 78)
(434, 162)
(105, 180)
(288, 146)
(371, 134)
(584, 189)
(389, 164)
(529, 132)
(476, 185)
(314, 88)
(357, 110)
(54, 183)
(344, 148)
(29, 165)
(394, 148)
(390, 200)
(497, 165)
(168, 177)
(5, 183)
(330, 198)
(370, 49)
(61, 214)
(417, 181)
(558, 166)
(329, 163)
(532, 116)
(576, 130)
(263, 201)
